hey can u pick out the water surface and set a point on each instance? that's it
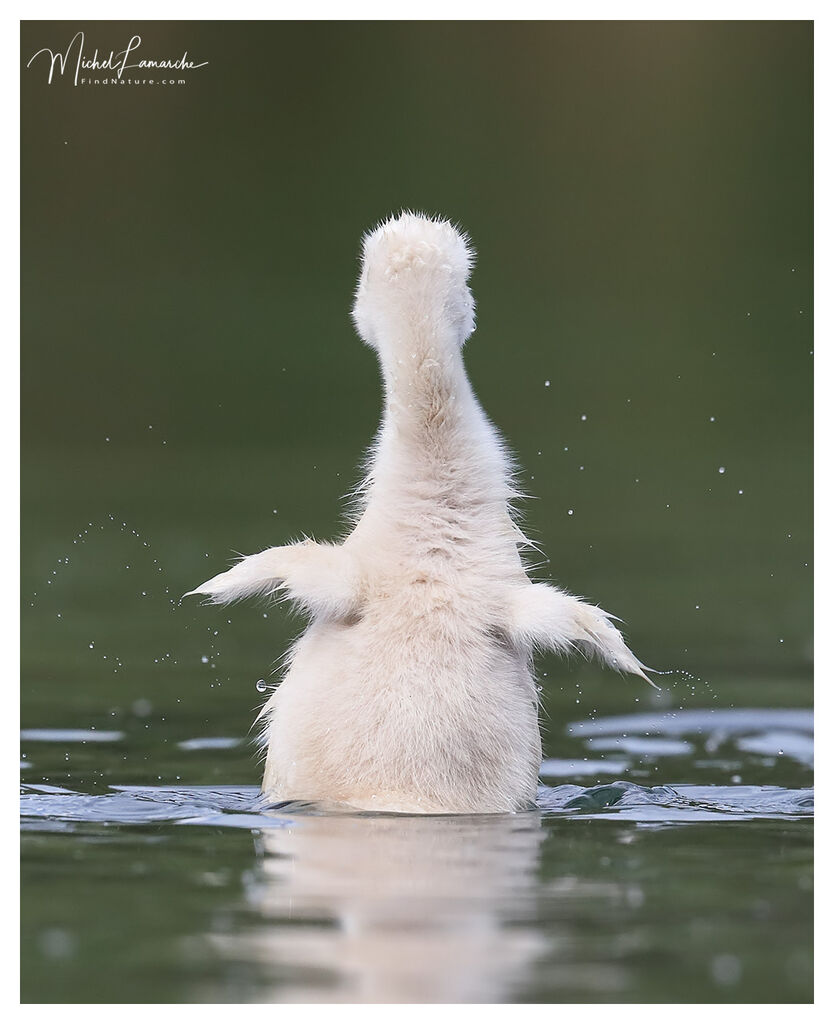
(612, 891)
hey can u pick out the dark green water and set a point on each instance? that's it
(640, 196)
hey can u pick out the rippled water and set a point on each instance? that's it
(612, 890)
(646, 737)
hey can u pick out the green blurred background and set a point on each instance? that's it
(640, 195)
(640, 198)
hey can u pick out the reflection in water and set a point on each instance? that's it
(612, 891)
(391, 908)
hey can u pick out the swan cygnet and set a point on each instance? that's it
(412, 689)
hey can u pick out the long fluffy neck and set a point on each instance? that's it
(436, 446)
(427, 392)
(437, 453)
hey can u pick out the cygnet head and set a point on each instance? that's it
(412, 287)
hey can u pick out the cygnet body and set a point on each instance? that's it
(412, 689)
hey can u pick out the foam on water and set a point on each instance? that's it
(686, 742)
(50, 808)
